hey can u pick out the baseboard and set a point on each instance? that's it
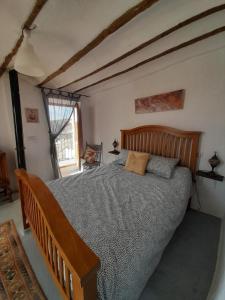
(217, 289)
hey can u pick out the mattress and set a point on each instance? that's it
(126, 219)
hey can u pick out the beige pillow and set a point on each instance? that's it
(137, 162)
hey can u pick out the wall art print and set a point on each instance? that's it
(32, 115)
(167, 101)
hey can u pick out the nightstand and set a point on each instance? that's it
(210, 175)
(115, 152)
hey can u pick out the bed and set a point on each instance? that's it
(110, 216)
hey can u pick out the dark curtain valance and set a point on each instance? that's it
(60, 94)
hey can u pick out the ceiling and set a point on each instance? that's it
(66, 27)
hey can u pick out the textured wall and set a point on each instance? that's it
(203, 78)
(36, 137)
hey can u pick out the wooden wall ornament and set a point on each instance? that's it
(162, 102)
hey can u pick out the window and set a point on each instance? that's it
(67, 141)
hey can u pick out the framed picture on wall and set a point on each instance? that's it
(167, 101)
(32, 115)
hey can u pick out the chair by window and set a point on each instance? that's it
(96, 153)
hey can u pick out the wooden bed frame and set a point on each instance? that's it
(72, 263)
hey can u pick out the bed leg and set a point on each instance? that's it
(88, 291)
(25, 223)
(189, 203)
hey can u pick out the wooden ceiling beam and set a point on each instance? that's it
(113, 27)
(29, 21)
(180, 25)
(164, 53)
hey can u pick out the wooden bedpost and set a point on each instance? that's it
(88, 291)
(22, 200)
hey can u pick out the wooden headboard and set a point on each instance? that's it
(164, 141)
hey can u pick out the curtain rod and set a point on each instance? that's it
(66, 92)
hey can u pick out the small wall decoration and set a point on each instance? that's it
(162, 102)
(32, 115)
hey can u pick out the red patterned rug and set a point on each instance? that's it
(17, 280)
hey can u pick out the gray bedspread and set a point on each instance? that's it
(126, 219)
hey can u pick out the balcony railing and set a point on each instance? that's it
(66, 148)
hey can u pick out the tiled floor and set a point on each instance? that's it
(11, 211)
(187, 266)
(185, 271)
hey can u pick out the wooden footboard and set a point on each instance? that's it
(72, 263)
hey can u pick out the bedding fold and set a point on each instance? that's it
(126, 219)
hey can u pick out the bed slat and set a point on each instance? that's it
(71, 262)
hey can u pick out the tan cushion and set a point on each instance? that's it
(90, 155)
(137, 162)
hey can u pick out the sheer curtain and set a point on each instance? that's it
(80, 132)
(59, 107)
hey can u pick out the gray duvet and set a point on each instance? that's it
(126, 219)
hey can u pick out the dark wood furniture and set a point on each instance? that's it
(210, 175)
(71, 262)
(164, 141)
(4, 178)
(17, 118)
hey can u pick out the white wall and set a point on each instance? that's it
(36, 138)
(87, 120)
(202, 75)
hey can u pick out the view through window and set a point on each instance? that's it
(67, 143)
(67, 147)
